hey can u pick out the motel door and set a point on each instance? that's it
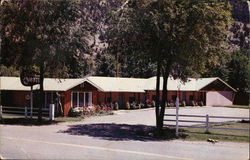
(120, 100)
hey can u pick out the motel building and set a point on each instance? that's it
(93, 90)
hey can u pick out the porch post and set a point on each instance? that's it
(105, 98)
(139, 97)
(135, 96)
(1, 112)
(110, 97)
(51, 112)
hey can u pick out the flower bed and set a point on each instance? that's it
(90, 110)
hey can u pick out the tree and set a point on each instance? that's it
(239, 69)
(45, 34)
(9, 71)
(105, 65)
(182, 37)
(133, 65)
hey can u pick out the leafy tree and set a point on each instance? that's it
(239, 68)
(133, 65)
(105, 65)
(45, 33)
(183, 37)
(9, 71)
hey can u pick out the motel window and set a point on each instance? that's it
(88, 98)
(80, 99)
(74, 99)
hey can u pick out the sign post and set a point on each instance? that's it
(31, 102)
(30, 78)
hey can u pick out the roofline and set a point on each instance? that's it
(92, 83)
(217, 78)
(72, 86)
(126, 91)
(173, 90)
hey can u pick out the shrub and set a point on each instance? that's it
(153, 103)
(142, 105)
(171, 104)
(139, 106)
(183, 103)
(200, 103)
(127, 105)
(194, 103)
(116, 106)
(73, 113)
(98, 109)
(133, 105)
(111, 106)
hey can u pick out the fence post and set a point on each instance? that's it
(207, 124)
(177, 117)
(51, 112)
(25, 112)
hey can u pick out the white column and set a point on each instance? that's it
(90, 98)
(1, 111)
(51, 112)
(26, 112)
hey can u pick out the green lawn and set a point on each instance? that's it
(239, 106)
(198, 134)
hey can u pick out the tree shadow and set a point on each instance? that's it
(26, 122)
(116, 132)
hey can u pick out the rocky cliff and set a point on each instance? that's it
(241, 25)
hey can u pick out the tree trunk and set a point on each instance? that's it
(163, 100)
(157, 100)
(41, 93)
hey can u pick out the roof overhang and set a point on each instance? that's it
(200, 89)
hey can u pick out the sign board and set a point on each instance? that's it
(29, 78)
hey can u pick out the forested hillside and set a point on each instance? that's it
(233, 68)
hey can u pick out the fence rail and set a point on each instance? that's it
(206, 123)
(26, 111)
(191, 115)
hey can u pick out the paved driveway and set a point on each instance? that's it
(112, 137)
(147, 116)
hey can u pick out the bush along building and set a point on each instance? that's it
(120, 93)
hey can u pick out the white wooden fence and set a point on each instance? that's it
(27, 112)
(205, 120)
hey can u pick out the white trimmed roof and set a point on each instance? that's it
(192, 84)
(111, 84)
(116, 84)
(50, 84)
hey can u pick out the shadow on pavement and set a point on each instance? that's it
(26, 122)
(111, 131)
